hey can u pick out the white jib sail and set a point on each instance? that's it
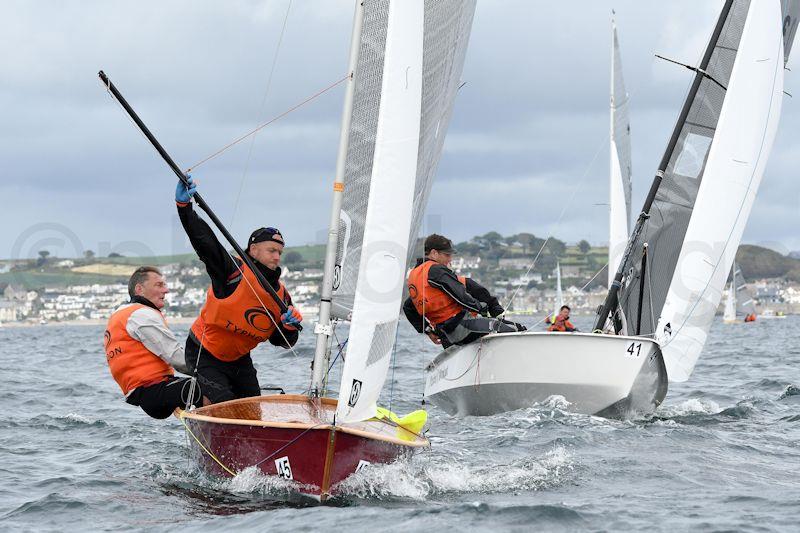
(729, 315)
(736, 162)
(620, 175)
(382, 267)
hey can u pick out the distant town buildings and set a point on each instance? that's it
(504, 266)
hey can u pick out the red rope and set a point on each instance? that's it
(264, 125)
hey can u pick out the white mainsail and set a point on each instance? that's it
(388, 218)
(415, 49)
(736, 159)
(620, 175)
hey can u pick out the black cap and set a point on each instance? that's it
(265, 234)
(439, 243)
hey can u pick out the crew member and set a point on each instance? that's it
(143, 353)
(445, 306)
(239, 313)
(561, 321)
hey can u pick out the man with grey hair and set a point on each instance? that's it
(143, 353)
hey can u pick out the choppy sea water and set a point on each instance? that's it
(722, 452)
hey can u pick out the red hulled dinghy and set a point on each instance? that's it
(292, 436)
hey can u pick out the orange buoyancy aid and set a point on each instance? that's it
(431, 302)
(561, 325)
(230, 327)
(131, 363)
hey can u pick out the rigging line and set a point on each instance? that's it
(341, 345)
(195, 373)
(649, 275)
(341, 350)
(209, 452)
(271, 318)
(471, 364)
(394, 363)
(593, 277)
(260, 110)
(279, 450)
(561, 216)
(697, 70)
(265, 124)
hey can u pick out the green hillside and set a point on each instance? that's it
(757, 262)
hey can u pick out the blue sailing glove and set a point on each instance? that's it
(291, 318)
(183, 195)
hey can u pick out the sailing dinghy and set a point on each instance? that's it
(737, 310)
(406, 59)
(662, 301)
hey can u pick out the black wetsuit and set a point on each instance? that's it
(161, 399)
(473, 297)
(222, 380)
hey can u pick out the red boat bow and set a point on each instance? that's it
(294, 437)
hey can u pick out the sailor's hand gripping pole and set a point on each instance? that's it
(197, 198)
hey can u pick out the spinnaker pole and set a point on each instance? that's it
(323, 327)
(197, 198)
(612, 298)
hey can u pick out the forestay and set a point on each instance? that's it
(620, 175)
(422, 58)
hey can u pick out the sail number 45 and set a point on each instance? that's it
(634, 350)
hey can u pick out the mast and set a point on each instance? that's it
(612, 298)
(323, 326)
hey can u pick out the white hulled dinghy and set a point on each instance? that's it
(664, 295)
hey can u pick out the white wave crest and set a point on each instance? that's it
(75, 417)
(418, 480)
(692, 406)
(252, 480)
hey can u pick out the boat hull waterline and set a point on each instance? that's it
(605, 375)
(292, 437)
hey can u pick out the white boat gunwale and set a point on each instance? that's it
(452, 350)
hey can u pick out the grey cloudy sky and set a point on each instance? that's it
(528, 139)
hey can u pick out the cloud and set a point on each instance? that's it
(529, 127)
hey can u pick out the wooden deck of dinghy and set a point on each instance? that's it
(293, 437)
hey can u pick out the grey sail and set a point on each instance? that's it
(446, 33)
(791, 17)
(745, 305)
(620, 159)
(621, 130)
(671, 211)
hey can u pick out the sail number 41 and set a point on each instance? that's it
(634, 350)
